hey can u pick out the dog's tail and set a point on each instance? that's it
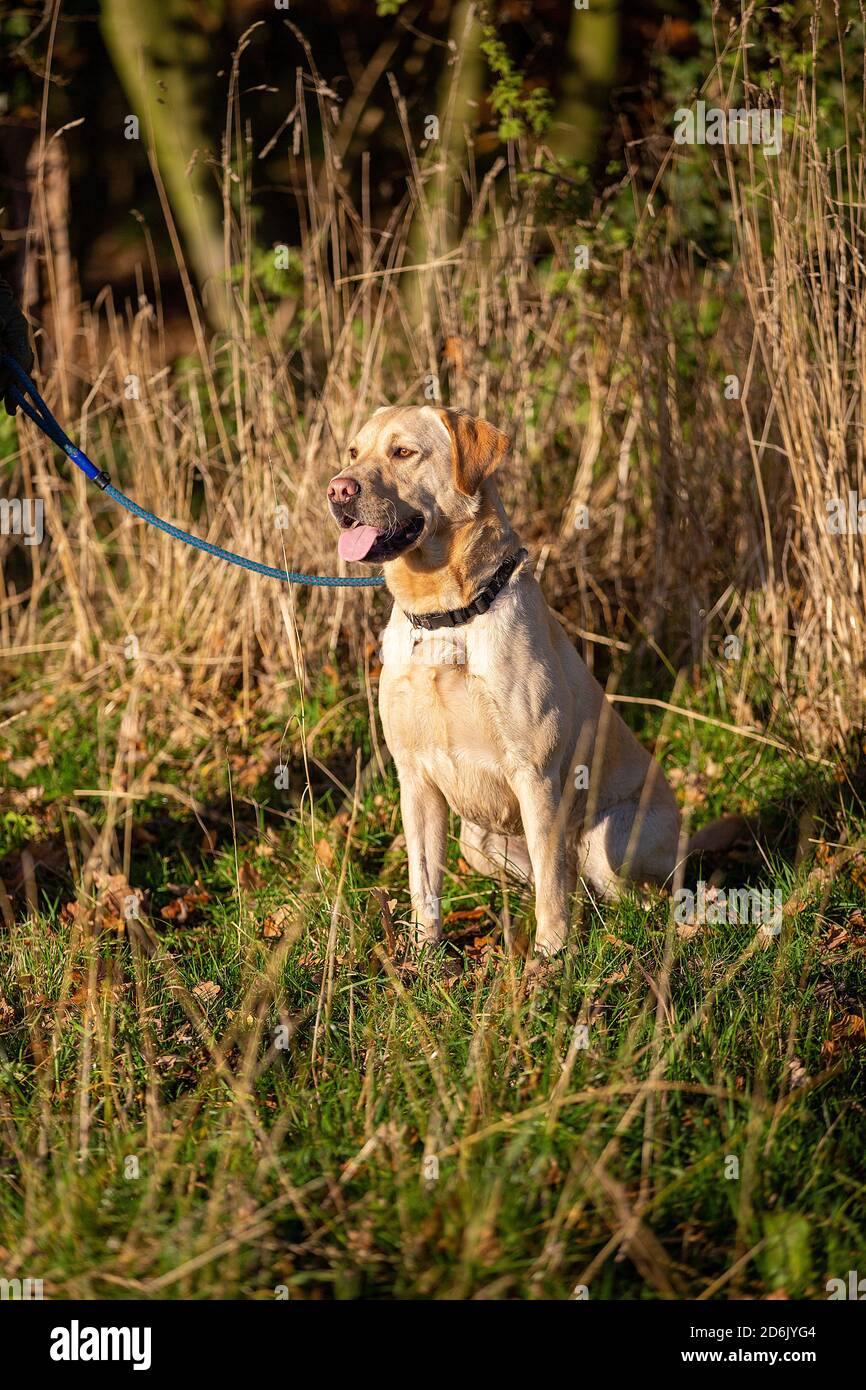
(719, 836)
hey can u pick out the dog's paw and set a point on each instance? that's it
(549, 941)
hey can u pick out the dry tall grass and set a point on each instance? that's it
(707, 515)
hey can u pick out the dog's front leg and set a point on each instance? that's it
(425, 824)
(544, 829)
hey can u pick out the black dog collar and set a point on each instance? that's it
(456, 617)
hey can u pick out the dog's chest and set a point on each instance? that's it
(438, 703)
(440, 716)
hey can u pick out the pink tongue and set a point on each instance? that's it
(354, 543)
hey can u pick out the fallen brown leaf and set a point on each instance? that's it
(324, 853)
(206, 991)
(276, 923)
(466, 914)
(188, 901)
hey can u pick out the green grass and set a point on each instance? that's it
(431, 1128)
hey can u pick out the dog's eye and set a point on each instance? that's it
(353, 452)
(401, 452)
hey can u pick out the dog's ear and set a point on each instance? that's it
(477, 449)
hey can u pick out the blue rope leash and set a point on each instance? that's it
(42, 417)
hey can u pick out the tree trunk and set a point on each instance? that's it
(158, 56)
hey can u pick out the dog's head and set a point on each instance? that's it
(412, 473)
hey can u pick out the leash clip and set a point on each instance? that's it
(39, 413)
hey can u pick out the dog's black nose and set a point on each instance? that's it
(341, 489)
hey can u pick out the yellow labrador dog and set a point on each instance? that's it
(486, 705)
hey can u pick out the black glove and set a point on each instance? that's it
(14, 339)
